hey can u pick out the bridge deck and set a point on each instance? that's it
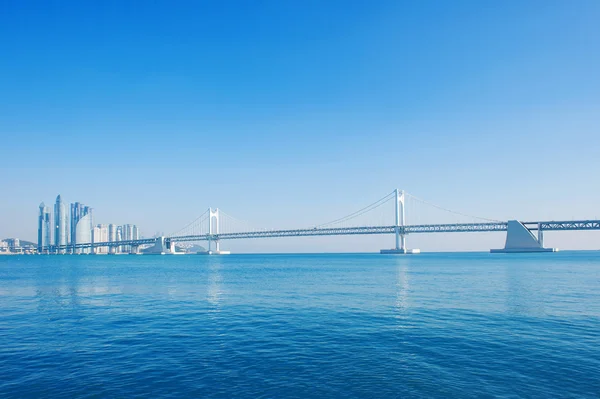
(363, 230)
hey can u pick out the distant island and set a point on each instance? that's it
(23, 243)
(15, 245)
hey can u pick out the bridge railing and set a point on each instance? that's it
(564, 225)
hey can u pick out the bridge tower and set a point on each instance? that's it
(213, 229)
(399, 223)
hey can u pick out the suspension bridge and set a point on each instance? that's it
(388, 215)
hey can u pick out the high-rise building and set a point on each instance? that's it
(126, 236)
(76, 213)
(112, 232)
(120, 238)
(14, 244)
(100, 233)
(81, 225)
(60, 223)
(44, 229)
(83, 232)
(112, 236)
(129, 232)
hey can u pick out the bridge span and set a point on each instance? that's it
(539, 226)
(408, 229)
(519, 234)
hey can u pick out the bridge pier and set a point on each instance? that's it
(399, 228)
(135, 250)
(520, 239)
(162, 246)
(217, 250)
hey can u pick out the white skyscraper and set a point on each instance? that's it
(44, 230)
(81, 226)
(129, 232)
(60, 224)
(83, 232)
(112, 236)
(100, 233)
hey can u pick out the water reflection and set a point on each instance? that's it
(57, 289)
(402, 286)
(521, 297)
(215, 281)
(75, 285)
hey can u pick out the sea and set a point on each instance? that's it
(433, 325)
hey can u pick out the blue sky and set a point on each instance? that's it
(288, 112)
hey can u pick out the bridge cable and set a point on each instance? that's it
(360, 212)
(234, 219)
(449, 210)
(203, 216)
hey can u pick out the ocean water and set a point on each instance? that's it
(301, 326)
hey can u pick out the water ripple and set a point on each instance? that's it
(352, 326)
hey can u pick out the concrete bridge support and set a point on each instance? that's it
(161, 247)
(520, 239)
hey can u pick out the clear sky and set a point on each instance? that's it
(287, 113)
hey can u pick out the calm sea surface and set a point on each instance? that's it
(277, 326)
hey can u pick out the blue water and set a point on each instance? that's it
(321, 326)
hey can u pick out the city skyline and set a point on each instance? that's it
(241, 109)
(53, 230)
(519, 236)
